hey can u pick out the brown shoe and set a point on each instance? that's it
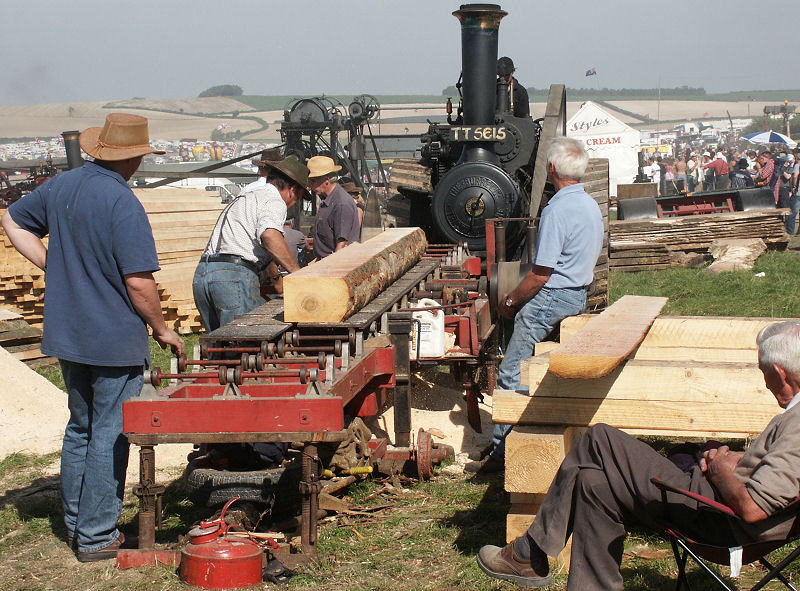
(109, 551)
(502, 563)
(487, 465)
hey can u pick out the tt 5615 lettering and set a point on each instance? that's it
(477, 133)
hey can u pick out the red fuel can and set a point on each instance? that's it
(212, 560)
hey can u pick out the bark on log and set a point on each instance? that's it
(339, 285)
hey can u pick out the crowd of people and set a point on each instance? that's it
(732, 169)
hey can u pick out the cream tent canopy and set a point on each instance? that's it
(605, 136)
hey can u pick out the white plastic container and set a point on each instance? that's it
(427, 330)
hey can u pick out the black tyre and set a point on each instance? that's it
(207, 487)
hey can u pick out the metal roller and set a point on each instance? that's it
(637, 208)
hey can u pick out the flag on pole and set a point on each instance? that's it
(591, 72)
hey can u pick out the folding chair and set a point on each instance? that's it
(703, 553)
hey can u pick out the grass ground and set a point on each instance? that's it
(422, 537)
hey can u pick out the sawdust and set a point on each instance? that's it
(33, 414)
(438, 405)
(33, 411)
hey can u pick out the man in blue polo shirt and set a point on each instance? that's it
(569, 243)
(101, 295)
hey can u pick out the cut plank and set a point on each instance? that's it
(679, 381)
(339, 285)
(607, 340)
(645, 416)
(713, 332)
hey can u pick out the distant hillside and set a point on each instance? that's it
(272, 103)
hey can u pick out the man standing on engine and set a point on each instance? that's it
(569, 242)
(518, 96)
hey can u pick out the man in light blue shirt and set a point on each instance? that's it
(569, 243)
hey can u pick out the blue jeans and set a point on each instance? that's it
(537, 319)
(94, 454)
(791, 221)
(224, 290)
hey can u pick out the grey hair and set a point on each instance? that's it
(779, 344)
(568, 157)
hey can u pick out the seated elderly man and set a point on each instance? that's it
(604, 485)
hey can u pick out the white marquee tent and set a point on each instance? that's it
(605, 136)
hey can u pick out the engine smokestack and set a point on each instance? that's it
(480, 24)
(73, 149)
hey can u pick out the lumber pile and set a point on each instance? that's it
(339, 285)
(637, 245)
(408, 172)
(693, 377)
(595, 183)
(182, 220)
(22, 340)
(21, 283)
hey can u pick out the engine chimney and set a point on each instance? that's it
(73, 149)
(479, 33)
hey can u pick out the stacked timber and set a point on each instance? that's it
(637, 245)
(182, 220)
(409, 172)
(22, 340)
(693, 377)
(595, 182)
(640, 256)
(21, 283)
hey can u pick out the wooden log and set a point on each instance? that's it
(339, 285)
(607, 340)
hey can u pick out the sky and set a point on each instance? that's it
(97, 50)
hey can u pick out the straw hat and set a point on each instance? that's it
(122, 136)
(351, 188)
(268, 155)
(292, 168)
(321, 166)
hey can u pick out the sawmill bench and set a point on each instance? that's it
(691, 377)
